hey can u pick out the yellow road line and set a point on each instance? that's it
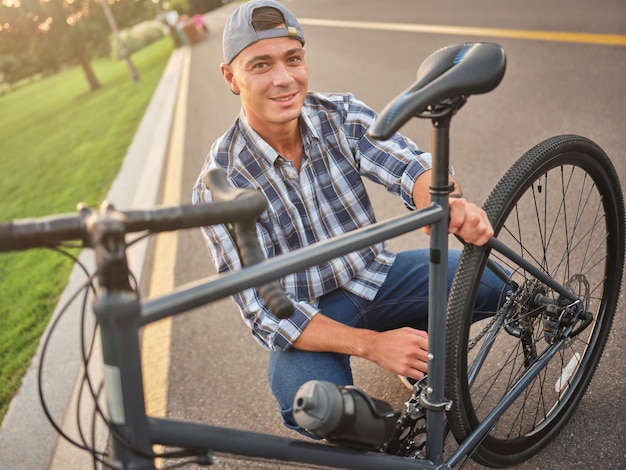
(555, 36)
(156, 336)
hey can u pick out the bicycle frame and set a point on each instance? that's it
(120, 315)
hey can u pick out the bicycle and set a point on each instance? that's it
(503, 386)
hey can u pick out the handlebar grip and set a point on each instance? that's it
(244, 233)
(41, 232)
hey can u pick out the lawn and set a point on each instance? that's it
(60, 144)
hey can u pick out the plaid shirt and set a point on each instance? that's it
(327, 198)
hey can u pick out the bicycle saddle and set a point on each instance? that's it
(453, 71)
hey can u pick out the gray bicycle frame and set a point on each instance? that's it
(120, 315)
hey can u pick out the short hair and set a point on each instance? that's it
(264, 18)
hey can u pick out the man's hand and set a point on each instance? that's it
(403, 351)
(468, 221)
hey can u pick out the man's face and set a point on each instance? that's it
(272, 78)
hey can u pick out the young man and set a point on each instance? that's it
(307, 152)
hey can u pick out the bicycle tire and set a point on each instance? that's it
(578, 239)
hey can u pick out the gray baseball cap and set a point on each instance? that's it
(239, 32)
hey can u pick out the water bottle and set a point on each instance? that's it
(344, 415)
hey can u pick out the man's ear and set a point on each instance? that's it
(229, 77)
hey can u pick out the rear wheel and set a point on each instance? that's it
(561, 208)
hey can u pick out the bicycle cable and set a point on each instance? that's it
(63, 310)
(83, 442)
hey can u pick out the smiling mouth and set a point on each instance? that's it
(283, 99)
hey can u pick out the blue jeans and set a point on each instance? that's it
(401, 301)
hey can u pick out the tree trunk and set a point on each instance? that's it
(76, 44)
(80, 52)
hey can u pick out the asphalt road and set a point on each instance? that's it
(218, 373)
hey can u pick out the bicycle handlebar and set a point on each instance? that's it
(234, 207)
(246, 239)
(23, 234)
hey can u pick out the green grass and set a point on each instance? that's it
(60, 144)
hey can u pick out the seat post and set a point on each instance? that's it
(440, 135)
(433, 399)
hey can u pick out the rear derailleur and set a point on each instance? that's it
(560, 318)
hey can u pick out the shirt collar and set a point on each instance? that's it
(309, 135)
(309, 132)
(255, 141)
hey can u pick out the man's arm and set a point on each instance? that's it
(403, 351)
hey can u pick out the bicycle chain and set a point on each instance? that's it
(484, 331)
(512, 299)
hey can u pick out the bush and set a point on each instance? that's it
(138, 37)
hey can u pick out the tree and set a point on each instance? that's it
(41, 36)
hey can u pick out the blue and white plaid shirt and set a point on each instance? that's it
(326, 199)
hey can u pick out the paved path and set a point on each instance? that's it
(550, 87)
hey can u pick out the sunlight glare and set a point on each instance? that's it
(45, 25)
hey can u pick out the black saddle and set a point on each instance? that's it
(451, 72)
